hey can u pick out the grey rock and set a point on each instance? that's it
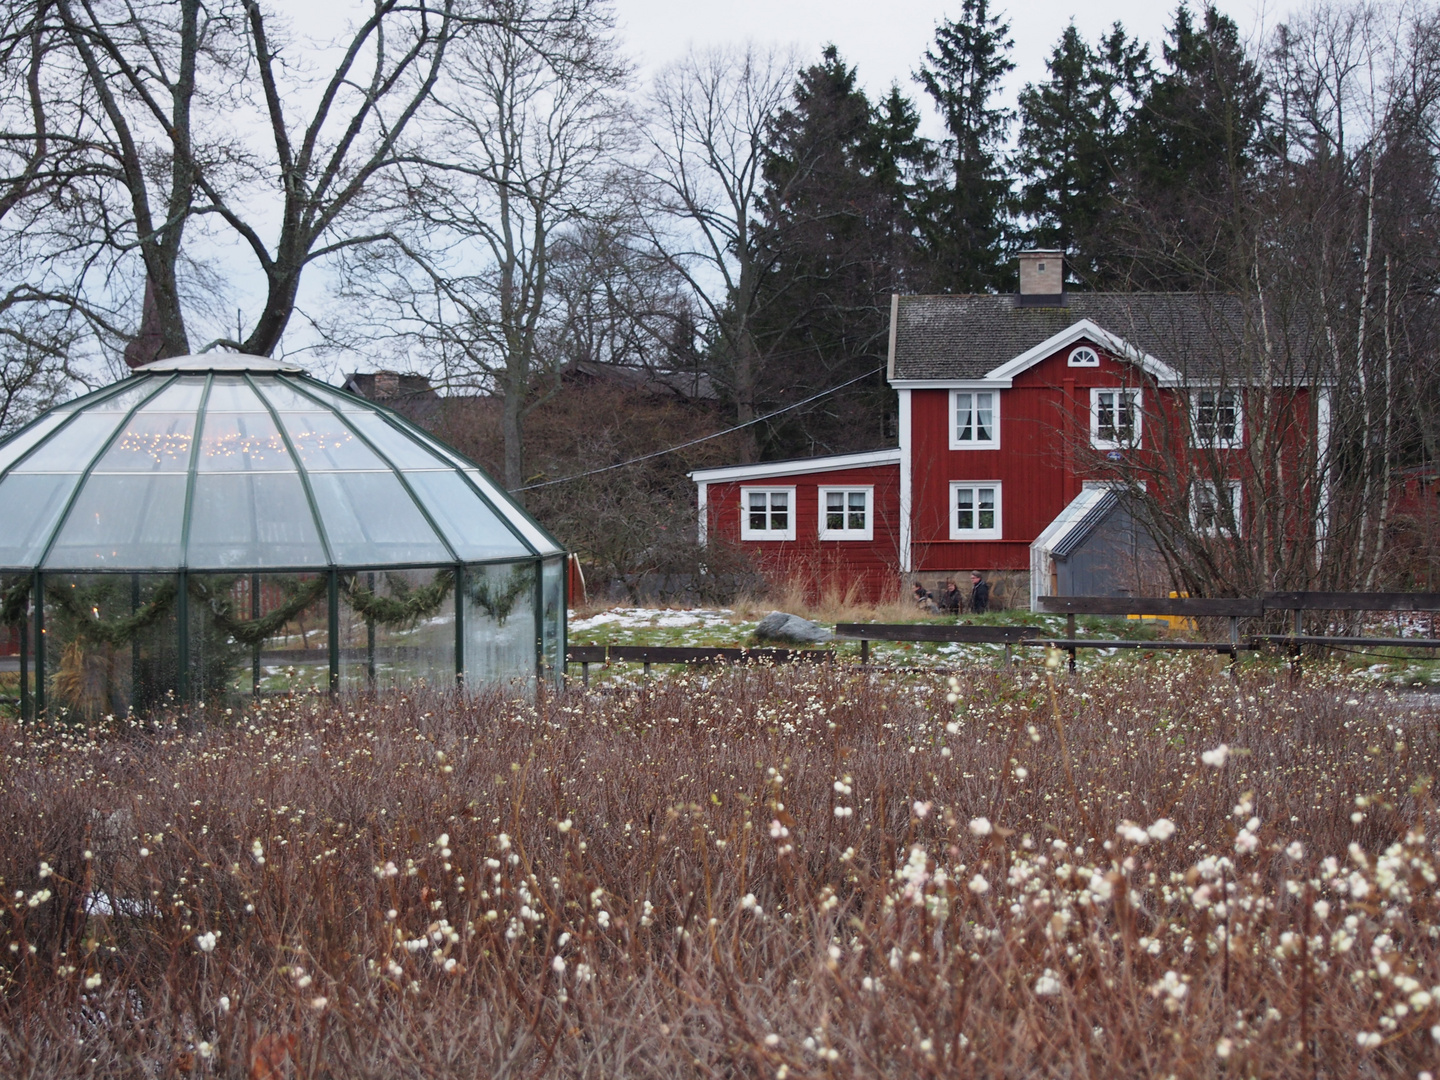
(782, 626)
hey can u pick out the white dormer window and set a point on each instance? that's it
(767, 513)
(1114, 418)
(1215, 418)
(976, 416)
(1084, 356)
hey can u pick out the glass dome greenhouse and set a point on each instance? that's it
(221, 524)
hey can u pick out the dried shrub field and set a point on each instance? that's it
(762, 873)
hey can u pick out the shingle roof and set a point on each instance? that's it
(963, 337)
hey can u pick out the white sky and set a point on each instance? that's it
(885, 41)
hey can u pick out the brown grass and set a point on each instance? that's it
(678, 848)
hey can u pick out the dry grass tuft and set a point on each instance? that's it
(760, 873)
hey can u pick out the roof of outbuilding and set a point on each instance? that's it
(965, 337)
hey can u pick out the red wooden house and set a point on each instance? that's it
(1017, 414)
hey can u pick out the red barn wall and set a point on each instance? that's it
(823, 566)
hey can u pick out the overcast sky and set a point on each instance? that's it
(886, 40)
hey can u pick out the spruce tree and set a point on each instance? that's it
(1072, 146)
(1193, 145)
(964, 219)
(836, 228)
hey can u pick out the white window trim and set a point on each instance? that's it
(1076, 357)
(867, 533)
(992, 443)
(1139, 406)
(1216, 443)
(747, 533)
(1236, 506)
(997, 533)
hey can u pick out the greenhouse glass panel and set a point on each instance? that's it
(552, 620)
(151, 442)
(111, 643)
(182, 395)
(124, 400)
(130, 521)
(528, 529)
(370, 519)
(473, 529)
(499, 623)
(408, 637)
(231, 393)
(323, 442)
(24, 440)
(33, 504)
(285, 398)
(242, 441)
(403, 453)
(71, 448)
(260, 520)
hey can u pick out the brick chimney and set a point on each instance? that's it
(1042, 279)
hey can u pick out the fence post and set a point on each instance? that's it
(1296, 627)
(864, 651)
(1070, 633)
(1234, 639)
(1007, 656)
(585, 672)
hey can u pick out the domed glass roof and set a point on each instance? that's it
(229, 462)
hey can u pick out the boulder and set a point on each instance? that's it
(781, 626)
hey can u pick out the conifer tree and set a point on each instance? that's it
(1072, 146)
(840, 178)
(1193, 144)
(965, 216)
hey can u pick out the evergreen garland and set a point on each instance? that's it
(403, 609)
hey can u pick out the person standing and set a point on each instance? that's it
(979, 593)
(949, 600)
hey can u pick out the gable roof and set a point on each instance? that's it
(1177, 336)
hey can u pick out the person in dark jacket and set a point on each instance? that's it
(979, 593)
(923, 600)
(949, 599)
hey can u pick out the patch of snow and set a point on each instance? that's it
(625, 618)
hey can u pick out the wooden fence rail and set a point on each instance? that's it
(1231, 609)
(585, 655)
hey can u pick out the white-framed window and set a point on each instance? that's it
(1215, 418)
(847, 513)
(974, 510)
(767, 513)
(1215, 511)
(976, 416)
(1114, 417)
(1083, 356)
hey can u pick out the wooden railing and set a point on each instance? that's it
(1228, 608)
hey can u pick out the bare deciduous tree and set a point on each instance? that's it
(710, 126)
(138, 135)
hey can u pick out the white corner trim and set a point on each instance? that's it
(906, 469)
(767, 469)
(1163, 373)
(702, 531)
(894, 330)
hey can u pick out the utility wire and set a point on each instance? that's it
(703, 438)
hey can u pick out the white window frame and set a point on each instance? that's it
(1216, 442)
(992, 443)
(1083, 356)
(1137, 405)
(747, 533)
(1216, 528)
(957, 533)
(845, 532)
